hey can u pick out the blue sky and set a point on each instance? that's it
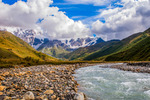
(81, 11)
(111, 19)
(75, 11)
(10, 2)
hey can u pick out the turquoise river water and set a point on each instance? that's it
(112, 84)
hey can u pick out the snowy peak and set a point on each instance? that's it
(82, 42)
(35, 39)
(28, 35)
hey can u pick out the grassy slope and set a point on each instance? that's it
(112, 48)
(13, 48)
(139, 52)
(57, 52)
(133, 48)
(80, 53)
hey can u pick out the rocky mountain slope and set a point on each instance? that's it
(58, 48)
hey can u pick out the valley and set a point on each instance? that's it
(74, 49)
(95, 49)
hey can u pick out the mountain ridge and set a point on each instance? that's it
(128, 44)
(55, 48)
(13, 48)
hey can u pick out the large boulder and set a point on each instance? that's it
(80, 96)
(28, 96)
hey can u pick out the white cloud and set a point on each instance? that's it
(56, 24)
(61, 26)
(121, 22)
(94, 2)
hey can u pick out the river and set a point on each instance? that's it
(112, 84)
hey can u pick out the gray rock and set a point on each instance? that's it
(28, 96)
(80, 96)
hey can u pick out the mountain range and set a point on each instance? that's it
(58, 48)
(55, 48)
(133, 48)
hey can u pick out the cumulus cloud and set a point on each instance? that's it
(119, 23)
(95, 2)
(55, 24)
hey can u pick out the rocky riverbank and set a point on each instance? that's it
(134, 67)
(43, 82)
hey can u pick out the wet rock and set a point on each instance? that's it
(79, 96)
(28, 96)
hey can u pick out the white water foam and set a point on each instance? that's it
(113, 84)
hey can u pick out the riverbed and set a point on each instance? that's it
(100, 83)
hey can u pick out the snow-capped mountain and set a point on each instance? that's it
(55, 48)
(82, 42)
(32, 37)
(72, 43)
(59, 48)
(28, 35)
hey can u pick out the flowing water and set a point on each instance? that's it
(112, 84)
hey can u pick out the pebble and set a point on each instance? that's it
(49, 92)
(28, 96)
(1, 93)
(39, 82)
(79, 96)
(7, 98)
(134, 67)
(2, 88)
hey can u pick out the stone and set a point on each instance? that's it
(49, 92)
(43, 97)
(28, 96)
(52, 71)
(58, 98)
(1, 93)
(2, 78)
(62, 98)
(53, 97)
(47, 83)
(2, 88)
(7, 98)
(6, 74)
(79, 96)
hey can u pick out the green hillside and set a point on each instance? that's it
(55, 51)
(112, 48)
(14, 49)
(80, 53)
(139, 52)
(134, 47)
